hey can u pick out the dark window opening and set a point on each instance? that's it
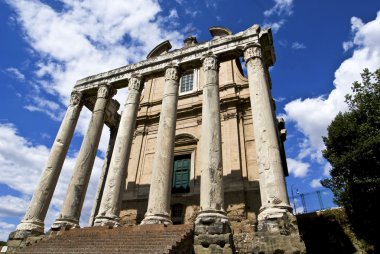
(177, 214)
(181, 174)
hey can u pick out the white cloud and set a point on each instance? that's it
(326, 169)
(88, 37)
(275, 25)
(173, 13)
(16, 73)
(14, 207)
(316, 183)
(21, 165)
(298, 45)
(312, 115)
(5, 228)
(347, 45)
(281, 7)
(212, 3)
(297, 168)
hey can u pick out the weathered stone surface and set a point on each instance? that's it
(103, 175)
(111, 200)
(272, 180)
(211, 226)
(36, 213)
(211, 165)
(73, 202)
(243, 165)
(279, 235)
(160, 187)
(277, 227)
(231, 46)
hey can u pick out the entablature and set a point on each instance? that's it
(225, 48)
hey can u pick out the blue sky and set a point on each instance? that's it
(321, 48)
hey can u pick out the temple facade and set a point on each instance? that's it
(197, 142)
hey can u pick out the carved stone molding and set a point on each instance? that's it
(76, 98)
(136, 83)
(227, 116)
(171, 73)
(210, 62)
(252, 51)
(106, 91)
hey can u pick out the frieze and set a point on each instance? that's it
(233, 45)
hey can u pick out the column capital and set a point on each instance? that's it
(171, 72)
(252, 51)
(76, 98)
(136, 83)
(106, 91)
(209, 62)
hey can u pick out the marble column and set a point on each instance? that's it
(103, 175)
(36, 213)
(212, 194)
(115, 184)
(160, 186)
(274, 197)
(73, 202)
(212, 228)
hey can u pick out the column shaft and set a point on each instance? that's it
(212, 195)
(211, 225)
(271, 174)
(36, 213)
(73, 202)
(160, 186)
(103, 176)
(115, 184)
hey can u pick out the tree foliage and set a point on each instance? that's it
(353, 150)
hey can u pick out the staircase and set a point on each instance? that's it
(133, 239)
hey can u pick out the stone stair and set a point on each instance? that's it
(132, 239)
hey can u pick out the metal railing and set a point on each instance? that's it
(312, 201)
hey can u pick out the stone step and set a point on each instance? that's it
(131, 239)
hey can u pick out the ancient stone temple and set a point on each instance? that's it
(197, 143)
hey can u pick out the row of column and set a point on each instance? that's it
(272, 185)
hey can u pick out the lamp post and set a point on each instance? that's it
(297, 192)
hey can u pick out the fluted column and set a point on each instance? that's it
(115, 184)
(36, 213)
(103, 176)
(274, 197)
(160, 186)
(73, 202)
(212, 194)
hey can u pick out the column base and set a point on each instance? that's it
(111, 221)
(156, 219)
(212, 233)
(277, 231)
(64, 223)
(35, 225)
(26, 229)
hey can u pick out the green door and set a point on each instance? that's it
(181, 174)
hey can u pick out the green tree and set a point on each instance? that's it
(353, 150)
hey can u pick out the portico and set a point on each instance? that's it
(166, 92)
